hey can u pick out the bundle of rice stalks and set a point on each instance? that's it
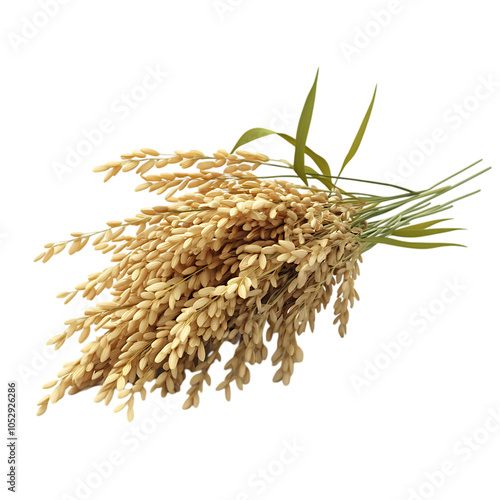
(232, 257)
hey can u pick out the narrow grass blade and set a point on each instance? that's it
(256, 133)
(325, 180)
(409, 244)
(359, 135)
(315, 157)
(420, 233)
(303, 131)
(425, 225)
(252, 135)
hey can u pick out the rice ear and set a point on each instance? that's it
(225, 257)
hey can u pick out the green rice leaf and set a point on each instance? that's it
(407, 232)
(316, 158)
(252, 135)
(325, 180)
(303, 131)
(409, 244)
(256, 133)
(425, 225)
(359, 135)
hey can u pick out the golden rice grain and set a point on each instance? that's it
(150, 151)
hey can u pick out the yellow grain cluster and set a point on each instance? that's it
(230, 258)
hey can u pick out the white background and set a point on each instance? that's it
(233, 65)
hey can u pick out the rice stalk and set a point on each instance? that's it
(228, 256)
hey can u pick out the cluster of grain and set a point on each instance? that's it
(230, 257)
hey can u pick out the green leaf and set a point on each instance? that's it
(359, 135)
(316, 158)
(303, 131)
(407, 232)
(251, 135)
(311, 171)
(425, 225)
(410, 244)
(325, 180)
(256, 133)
